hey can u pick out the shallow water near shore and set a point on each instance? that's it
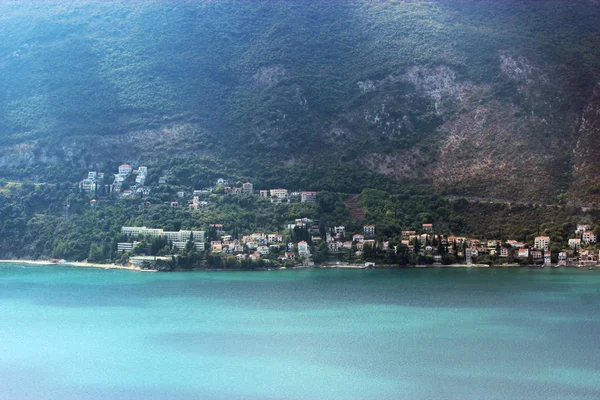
(73, 333)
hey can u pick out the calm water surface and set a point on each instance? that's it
(68, 333)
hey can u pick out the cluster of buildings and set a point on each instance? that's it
(254, 246)
(539, 253)
(276, 195)
(261, 245)
(281, 195)
(97, 182)
(576, 255)
(223, 186)
(337, 242)
(179, 239)
(94, 183)
(245, 188)
(470, 249)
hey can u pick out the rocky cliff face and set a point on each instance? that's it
(515, 148)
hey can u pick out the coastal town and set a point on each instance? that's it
(278, 248)
(306, 242)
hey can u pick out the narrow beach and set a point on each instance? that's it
(75, 264)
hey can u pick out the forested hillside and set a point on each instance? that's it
(484, 98)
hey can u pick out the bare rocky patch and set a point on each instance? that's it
(269, 76)
(441, 84)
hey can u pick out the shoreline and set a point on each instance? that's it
(76, 264)
(79, 264)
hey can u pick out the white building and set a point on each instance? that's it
(339, 230)
(274, 238)
(124, 169)
(369, 230)
(582, 228)
(143, 171)
(523, 253)
(123, 247)
(574, 242)
(303, 249)
(562, 258)
(88, 185)
(547, 257)
(173, 236)
(279, 193)
(541, 242)
(141, 230)
(468, 256)
(588, 237)
(179, 245)
(263, 250)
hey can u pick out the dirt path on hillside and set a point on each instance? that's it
(356, 212)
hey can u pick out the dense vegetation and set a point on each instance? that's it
(36, 223)
(315, 83)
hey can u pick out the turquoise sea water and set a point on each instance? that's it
(68, 333)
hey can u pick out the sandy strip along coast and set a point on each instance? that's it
(75, 264)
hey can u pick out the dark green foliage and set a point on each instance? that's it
(35, 223)
(276, 78)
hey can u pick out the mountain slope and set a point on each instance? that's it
(488, 99)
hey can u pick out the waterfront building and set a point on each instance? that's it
(468, 256)
(562, 258)
(303, 249)
(523, 253)
(547, 257)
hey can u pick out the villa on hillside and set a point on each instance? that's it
(542, 242)
(588, 237)
(369, 230)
